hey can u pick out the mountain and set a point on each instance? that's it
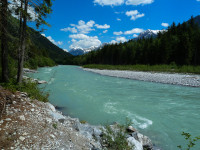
(39, 48)
(55, 53)
(77, 51)
(148, 34)
(80, 51)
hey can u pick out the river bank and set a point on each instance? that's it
(29, 124)
(166, 78)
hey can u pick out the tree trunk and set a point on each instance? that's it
(22, 43)
(4, 44)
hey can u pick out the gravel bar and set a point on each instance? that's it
(167, 78)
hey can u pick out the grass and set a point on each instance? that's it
(29, 87)
(173, 68)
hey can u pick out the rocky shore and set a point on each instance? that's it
(26, 123)
(166, 78)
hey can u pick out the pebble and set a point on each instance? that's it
(22, 117)
(8, 119)
(32, 109)
(22, 138)
(25, 134)
(167, 78)
(52, 136)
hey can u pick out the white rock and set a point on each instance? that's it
(144, 139)
(8, 119)
(14, 102)
(42, 82)
(137, 145)
(21, 138)
(1, 122)
(49, 120)
(32, 109)
(51, 107)
(22, 117)
(52, 136)
(25, 133)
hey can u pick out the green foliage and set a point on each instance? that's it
(115, 139)
(191, 142)
(157, 68)
(178, 45)
(83, 122)
(55, 126)
(29, 87)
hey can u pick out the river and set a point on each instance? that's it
(160, 111)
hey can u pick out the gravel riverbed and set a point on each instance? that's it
(166, 78)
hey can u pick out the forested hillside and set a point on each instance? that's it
(178, 45)
(40, 51)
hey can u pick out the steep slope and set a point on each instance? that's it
(37, 45)
(41, 42)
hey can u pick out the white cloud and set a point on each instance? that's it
(78, 36)
(118, 19)
(113, 42)
(139, 2)
(135, 35)
(134, 14)
(109, 2)
(85, 27)
(121, 2)
(53, 41)
(84, 41)
(82, 27)
(105, 26)
(121, 39)
(73, 30)
(105, 31)
(166, 24)
(118, 33)
(135, 30)
(198, 0)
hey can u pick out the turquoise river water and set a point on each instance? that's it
(160, 111)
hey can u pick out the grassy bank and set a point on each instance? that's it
(156, 68)
(29, 87)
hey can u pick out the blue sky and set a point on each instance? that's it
(86, 23)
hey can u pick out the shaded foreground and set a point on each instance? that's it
(167, 78)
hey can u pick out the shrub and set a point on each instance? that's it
(115, 138)
(191, 142)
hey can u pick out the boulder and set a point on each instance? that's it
(133, 142)
(41, 82)
(146, 142)
(131, 129)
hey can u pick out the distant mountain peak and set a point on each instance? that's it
(80, 51)
(149, 33)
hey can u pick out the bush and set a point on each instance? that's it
(115, 139)
(191, 142)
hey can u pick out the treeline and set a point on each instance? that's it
(179, 45)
